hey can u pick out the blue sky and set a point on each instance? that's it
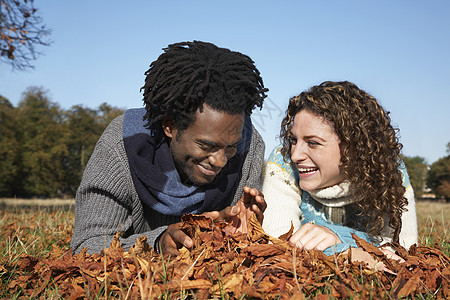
(398, 51)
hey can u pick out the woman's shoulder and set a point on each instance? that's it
(402, 169)
(278, 161)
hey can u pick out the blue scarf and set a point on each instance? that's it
(156, 178)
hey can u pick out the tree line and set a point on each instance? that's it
(44, 148)
(434, 178)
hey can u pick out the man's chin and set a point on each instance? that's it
(202, 180)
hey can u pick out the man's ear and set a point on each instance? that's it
(169, 128)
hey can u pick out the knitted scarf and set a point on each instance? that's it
(156, 178)
(336, 202)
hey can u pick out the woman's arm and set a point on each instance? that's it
(282, 196)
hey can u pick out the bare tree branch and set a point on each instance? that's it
(21, 30)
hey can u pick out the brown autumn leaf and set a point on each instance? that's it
(27, 262)
(370, 248)
(285, 237)
(406, 289)
(259, 250)
(191, 220)
(251, 265)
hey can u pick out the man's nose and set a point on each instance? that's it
(218, 159)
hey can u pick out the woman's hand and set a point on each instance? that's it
(314, 237)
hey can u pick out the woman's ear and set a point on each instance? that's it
(169, 128)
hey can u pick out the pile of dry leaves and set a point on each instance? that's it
(236, 266)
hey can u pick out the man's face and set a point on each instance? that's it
(204, 148)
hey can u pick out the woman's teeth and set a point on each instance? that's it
(307, 170)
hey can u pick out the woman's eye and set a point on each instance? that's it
(312, 143)
(292, 141)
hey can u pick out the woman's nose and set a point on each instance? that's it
(298, 153)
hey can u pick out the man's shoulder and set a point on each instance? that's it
(133, 122)
(113, 131)
(255, 135)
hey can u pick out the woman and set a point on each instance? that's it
(338, 171)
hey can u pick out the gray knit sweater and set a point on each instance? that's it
(107, 201)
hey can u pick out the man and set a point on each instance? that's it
(192, 149)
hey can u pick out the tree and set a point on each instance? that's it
(417, 171)
(84, 131)
(85, 125)
(439, 177)
(9, 149)
(43, 150)
(107, 113)
(21, 30)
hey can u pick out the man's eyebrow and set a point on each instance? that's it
(206, 142)
(214, 144)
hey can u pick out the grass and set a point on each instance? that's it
(33, 232)
(433, 222)
(39, 231)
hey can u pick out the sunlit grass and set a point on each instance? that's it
(37, 232)
(433, 222)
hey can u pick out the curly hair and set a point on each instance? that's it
(370, 150)
(189, 74)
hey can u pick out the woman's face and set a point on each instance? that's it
(315, 151)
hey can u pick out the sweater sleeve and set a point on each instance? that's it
(408, 233)
(252, 167)
(345, 235)
(106, 201)
(282, 196)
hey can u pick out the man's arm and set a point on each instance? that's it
(106, 201)
(253, 166)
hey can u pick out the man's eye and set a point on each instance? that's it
(313, 143)
(208, 148)
(231, 150)
(205, 147)
(292, 141)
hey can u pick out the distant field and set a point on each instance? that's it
(433, 222)
(11, 204)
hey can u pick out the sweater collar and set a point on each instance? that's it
(334, 196)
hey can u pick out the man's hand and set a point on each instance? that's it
(173, 239)
(311, 236)
(252, 201)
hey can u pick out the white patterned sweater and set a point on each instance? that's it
(284, 205)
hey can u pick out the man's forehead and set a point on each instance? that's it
(217, 132)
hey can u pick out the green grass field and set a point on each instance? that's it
(40, 230)
(433, 222)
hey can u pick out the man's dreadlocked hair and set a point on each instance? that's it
(189, 74)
